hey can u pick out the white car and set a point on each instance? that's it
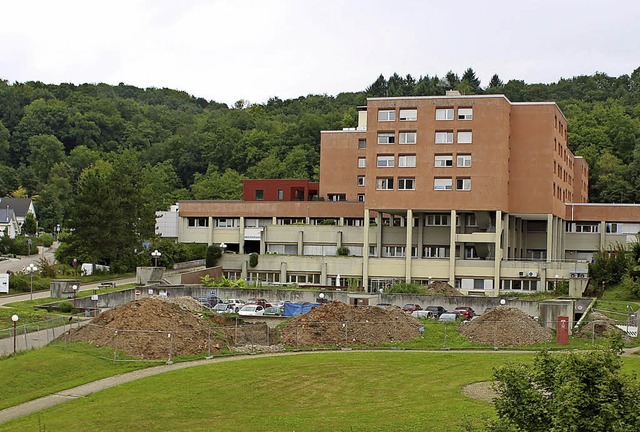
(236, 303)
(221, 308)
(422, 314)
(251, 310)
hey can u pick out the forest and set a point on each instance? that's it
(98, 157)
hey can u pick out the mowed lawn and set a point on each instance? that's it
(332, 391)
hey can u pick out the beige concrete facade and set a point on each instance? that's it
(473, 190)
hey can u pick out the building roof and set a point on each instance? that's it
(19, 205)
(6, 215)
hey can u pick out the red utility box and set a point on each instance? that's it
(563, 330)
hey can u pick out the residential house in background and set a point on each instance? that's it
(8, 223)
(20, 206)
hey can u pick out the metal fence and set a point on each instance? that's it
(33, 335)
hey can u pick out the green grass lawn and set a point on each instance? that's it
(353, 391)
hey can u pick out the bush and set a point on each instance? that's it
(253, 260)
(214, 252)
(65, 307)
(408, 288)
(343, 251)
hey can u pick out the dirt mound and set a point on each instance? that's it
(600, 326)
(340, 324)
(503, 327)
(149, 328)
(442, 288)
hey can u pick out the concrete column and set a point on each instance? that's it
(263, 240)
(507, 236)
(274, 220)
(283, 271)
(407, 254)
(210, 231)
(339, 239)
(365, 251)
(241, 235)
(323, 273)
(420, 241)
(549, 237)
(452, 249)
(379, 236)
(603, 233)
(243, 270)
(301, 242)
(341, 221)
(497, 255)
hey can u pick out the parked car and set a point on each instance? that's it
(422, 314)
(448, 316)
(384, 305)
(222, 308)
(410, 307)
(274, 311)
(436, 311)
(213, 300)
(279, 303)
(259, 301)
(251, 310)
(465, 312)
(237, 303)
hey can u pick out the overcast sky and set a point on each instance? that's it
(226, 50)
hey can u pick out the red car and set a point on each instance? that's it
(465, 312)
(259, 301)
(411, 307)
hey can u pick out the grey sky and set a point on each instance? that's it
(225, 50)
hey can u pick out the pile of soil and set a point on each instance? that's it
(600, 326)
(141, 329)
(340, 324)
(504, 327)
(442, 288)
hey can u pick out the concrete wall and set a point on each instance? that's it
(550, 310)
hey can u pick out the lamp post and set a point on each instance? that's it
(223, 246)
(75, 290)
(31, 269)
(156, 254)
(555, 286)
(15, 319)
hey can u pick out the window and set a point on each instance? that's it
(287, 249)
(444, 113)
(407, 137)
(583, 227)
(362, 162)
(470, 220)
(470, 252)
(360, 180)
(436, 251)
(384, 183)
(386, 161)
(406, 183)
(437, 220)
(444, 137)
(321, 250)
(393, 251)
(408, 114)
(227, 223)
(612, 228)
(464, 137)
(360, 197)
(443, 161)
(362, 143)
(442, 184)
(198, 222)
(407, 161)
(259, 194)
(463, 160)
(280, 194)
(303, 278)
(463, 183)
(337, 197)
(386, 115)
(465, 113)
(386, 138)
(290, 221)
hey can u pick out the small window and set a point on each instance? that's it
(470, 220)
(362, 162)
(407, 161)
(384, 183)
(465, 113)
(386, 115)
(360, 197)
(463, 161)
(444, 113)
(198, 222)
(437, 220)
(443, 161)
(444, 137)
(386, 161)
(386, 138)
(408, 114)
(362, 143)
(361, 180)
(464, 137)
(280, 194)
(337, 197)
(259, 194)
(463, 183)
(407, 137)
(442, 184)
(406, 183)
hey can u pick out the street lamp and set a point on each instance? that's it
(75, 290)
(555, 286)
(156, 254)
(31, 269)
(14, 318)
(223, 246)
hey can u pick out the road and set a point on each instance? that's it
(20, 263)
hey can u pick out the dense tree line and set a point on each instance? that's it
(72, 147)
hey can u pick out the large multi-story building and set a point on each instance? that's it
(475, 190)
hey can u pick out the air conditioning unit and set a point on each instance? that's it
(522, 274)
(533, 274)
